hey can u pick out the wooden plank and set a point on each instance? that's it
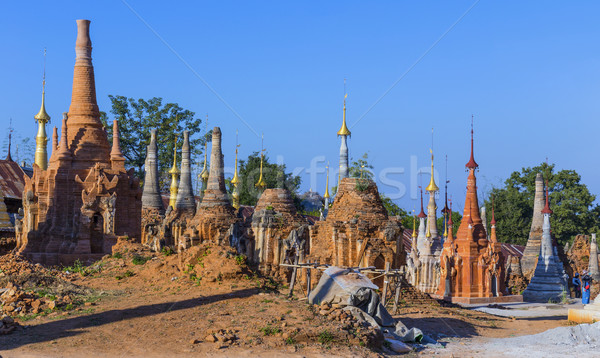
(293, 279)
(397, 297)
(308, 286)
(386, 279)
(362, 252)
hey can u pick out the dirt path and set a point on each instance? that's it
(153, 309)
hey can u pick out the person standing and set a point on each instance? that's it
(577, 285)
(586, 282)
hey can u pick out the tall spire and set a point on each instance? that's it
(493, 237)
(422, 213)
(204, 172)
(63, 152)
(87, 138)
(151, 198)
(446, 210)
(547, 209)
(185, 192)
(472, 164)
(174, 178)
(414, 233)
(8, 156)
(41, 139)
(116, 156)
(235, 181)
(344, 132)
(261, 184)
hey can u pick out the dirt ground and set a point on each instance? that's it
(144, 304)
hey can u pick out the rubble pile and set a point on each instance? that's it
(15, 301)
(359, 331)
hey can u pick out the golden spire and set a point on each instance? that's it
(326, 195)
(432, 187)
(174, 174)
(344, 130)
(235, 179)
(204, 173)
(261, 184)
(414, 234)
(41, 139)
(236, 193)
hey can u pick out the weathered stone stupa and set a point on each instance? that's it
(85, 199)
(274, 218)
(215, 213)
(472, 265)
(532, 250)
(153, 209)
(186, 201)
(357, 231)
(547, 283)
(593, 266)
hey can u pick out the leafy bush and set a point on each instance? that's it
(325, 337)
(139, 260)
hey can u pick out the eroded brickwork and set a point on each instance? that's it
(78, 207)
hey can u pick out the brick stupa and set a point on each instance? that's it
(472, 267)
(357, 231)
(215, 214)
(275, 216)
(532, 250)
(85, 199)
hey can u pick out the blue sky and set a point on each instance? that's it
(528, 71)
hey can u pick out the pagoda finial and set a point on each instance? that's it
(493, 222)
(547, 209)
(414, 233)
(422, 213)
(446, 210)
(235, 180)
(432, 187)
(174, 174)
(261, 184)
(10, 130)
(326, 195)
(472, 164)
(344, 131)
(42, 116)
(116, 155)
(41, 139)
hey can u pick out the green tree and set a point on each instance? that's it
(138, 117)
(274, 175)
(361, 168)
(570, 200)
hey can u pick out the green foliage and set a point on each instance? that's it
(138, 117)
(127, 273)
(240, 259)
(139, 259)
(392, 208)
(274, 175)
(117, 255)
(269, 330)
(325, 337)
(361, 168)
(167, 251)
(571, 201)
